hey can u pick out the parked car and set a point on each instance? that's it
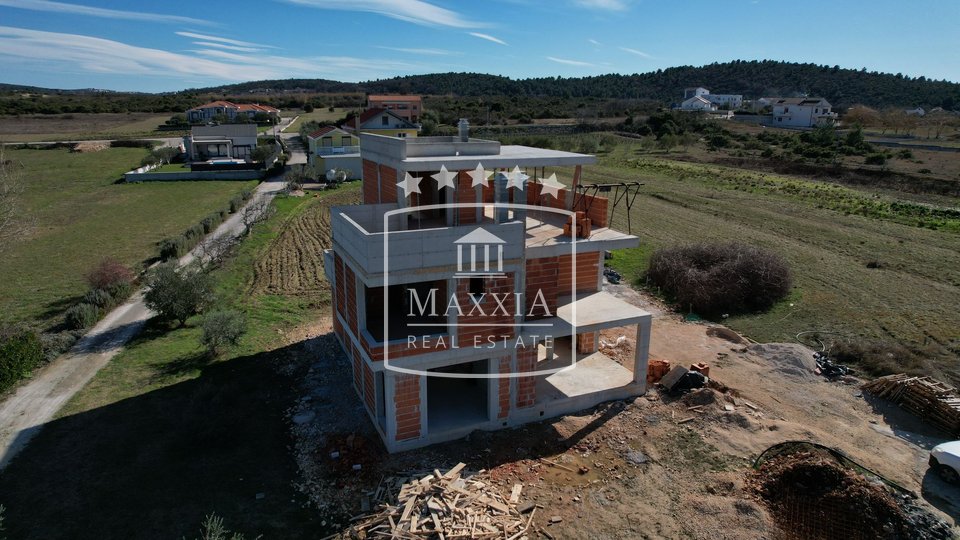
(945, 460)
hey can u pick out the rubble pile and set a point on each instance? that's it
(449, 505)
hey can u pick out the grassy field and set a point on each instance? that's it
(318, 115)
(61, 127)
(163, 436)
(829, 235)
(78, 215)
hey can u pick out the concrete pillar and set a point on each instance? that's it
(642, 354)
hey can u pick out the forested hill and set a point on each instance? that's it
(752, 79)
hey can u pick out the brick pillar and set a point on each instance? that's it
(406, 398)
(503, 388)
(526, 386)
(587, 342)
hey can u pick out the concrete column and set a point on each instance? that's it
(401, 201)
(641, 355)
(423, 405)
(390, 405)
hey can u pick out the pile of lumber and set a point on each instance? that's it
(578, 226)
(926, 397)
(445, 506)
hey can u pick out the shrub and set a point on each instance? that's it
(133, 144)
(100, 298)
(120, 291)
(109, 273)
(82, 315)
(210, 223)
(222, 328)
(56, 343)
(173, 248)
(905, 154)
(878, 357)
(177, 294)
(875, 159)
(20, 352)
(236, 203)
(714, 279)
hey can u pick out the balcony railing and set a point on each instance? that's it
(337, 150)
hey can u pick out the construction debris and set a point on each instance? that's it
(828, 368)
(443, 506)
(929, 399)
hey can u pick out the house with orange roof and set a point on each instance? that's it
(407, 107)
(382, 122)
(333, 148)
(220, 108)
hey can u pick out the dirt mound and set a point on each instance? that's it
(726, 334)
(702, 397)
(90, 147)
(814, 497)
(791, 359)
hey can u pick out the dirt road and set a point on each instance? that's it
(25, 412)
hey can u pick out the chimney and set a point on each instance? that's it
(464, 128)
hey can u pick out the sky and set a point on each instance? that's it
(173, 45)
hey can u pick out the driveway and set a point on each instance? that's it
(35, 403)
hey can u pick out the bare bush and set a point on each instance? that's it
(720, 278)
(108, 274)
(12, 222)
(214, 249)
(255, 212)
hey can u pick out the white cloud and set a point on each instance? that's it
(488, 37)
(59, 51)
(228, 41)
(569, 62)
(76, 9)
(594, 42)
(227, 47)
(414, 11)
(609, 5)
(636, 52)
(431, 52)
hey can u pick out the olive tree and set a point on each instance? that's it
(178, 293)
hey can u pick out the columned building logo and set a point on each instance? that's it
(475, 251)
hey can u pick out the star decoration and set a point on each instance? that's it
(517, 178)
(409, 185)
(550, 186)
(446, 178)
(480, 177)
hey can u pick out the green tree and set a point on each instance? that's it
(20, 352)
(262, 153)
(222, 328)
(177, 294)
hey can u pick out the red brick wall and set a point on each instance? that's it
(388, 184)
(358, 368)
(503, 388)
(588, 272)
(526, 386)
(369, 390)
(587, 342)
(350, 293)
(371, 188)
(466, 194)
(407, 400)
(543, 275)
(494, 319)
(597, 205)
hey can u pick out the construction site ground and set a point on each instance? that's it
(652, 467)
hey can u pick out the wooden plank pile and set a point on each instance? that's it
(926, 397)
(445, 506)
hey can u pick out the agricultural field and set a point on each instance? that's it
(81, 126)
(320, 114)
(185, 465)
(866, 265)
(78, 214)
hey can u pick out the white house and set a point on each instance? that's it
(915, 112)
(724, 101)
(697, 103)
(694, 92)
(209, 111)
(801, 112)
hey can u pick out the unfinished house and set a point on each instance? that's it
(467, 289)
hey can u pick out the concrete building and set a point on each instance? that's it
(697, 103)
(721, 101)
(801, 112)
(382, 122)
(460, 313)
(333, 148)
(407, 107)
(210, 111)
(225, 142)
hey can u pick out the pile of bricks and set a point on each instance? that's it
(577, 226)
(702, 367)
(656, 369)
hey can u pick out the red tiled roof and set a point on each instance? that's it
(394, 97)
(373, 113)
(323, 131)
(212, 104)
(241, 107)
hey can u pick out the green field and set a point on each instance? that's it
(320, 114)
(828, 234)
(79, 127)
(188, 435)
(79, 215)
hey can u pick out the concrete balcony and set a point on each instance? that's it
(394, 246)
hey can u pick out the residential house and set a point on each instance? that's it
(694, 92)
(407, 107)
(801, 112)
(460, 313)
(722, 101)
(224, 142)
(697, 103)
(333, 148)
(210, 111)
(382, 122)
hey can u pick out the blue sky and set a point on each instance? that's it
(159, 46)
